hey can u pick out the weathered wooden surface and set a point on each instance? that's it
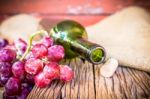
(126, 83)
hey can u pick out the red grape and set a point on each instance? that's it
(66, 73)
(25, 91)
(41, 81)
(30, 78)
(7, 55)
(5, 69)
(3, 79)
(13, 86)
(51, 70)
(39, 50)
(56, 53)
(24, 94)
(27, 86)
(3, 42)
(20, 45)
(18, 69)
(33, 66)
(47, 41)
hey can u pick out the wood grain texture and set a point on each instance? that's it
(126, 83)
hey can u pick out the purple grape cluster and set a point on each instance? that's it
(12, 72)
(40, 66)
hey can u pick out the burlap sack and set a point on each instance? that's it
(19, 26)
(126, 37)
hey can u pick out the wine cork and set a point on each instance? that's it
(109, 67)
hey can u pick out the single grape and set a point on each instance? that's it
(25, 91)
(56, 53)
(66, 73)
(24, 94)
(33, 66)
(30, 79)
(39, 50)
(18, 69)
(3, 79)
(41, 81)
(21, 46)
(47, 41)
(27, 86)
(5, 69)
(13, 86)
(3, 42)
(5, 96)
(7, 55)
(51, 70)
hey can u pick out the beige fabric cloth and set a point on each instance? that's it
(126, 37)
(19, 26)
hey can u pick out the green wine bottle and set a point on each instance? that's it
(72, 36)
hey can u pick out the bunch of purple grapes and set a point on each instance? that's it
(40, 67)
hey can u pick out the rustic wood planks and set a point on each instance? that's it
(126, 83)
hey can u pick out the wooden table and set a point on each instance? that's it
(126, 83)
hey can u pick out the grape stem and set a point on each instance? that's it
(30, 42)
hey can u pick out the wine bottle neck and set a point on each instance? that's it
(94, 53)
